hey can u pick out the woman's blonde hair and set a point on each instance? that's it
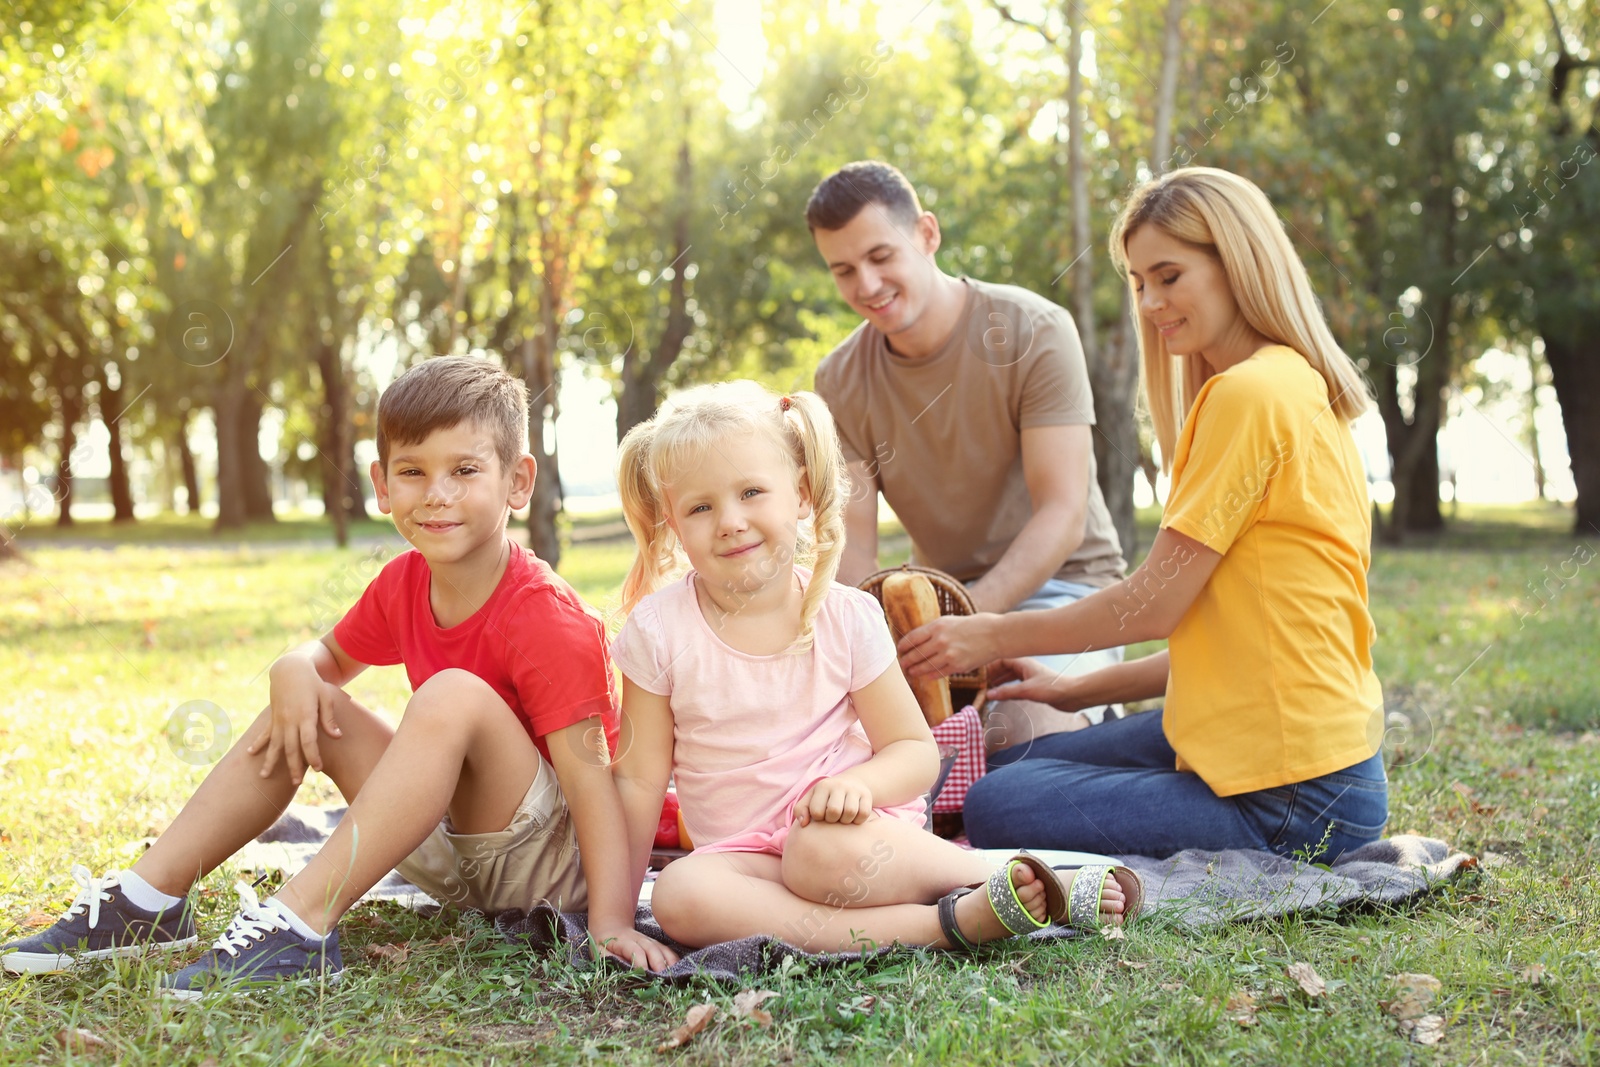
(654, 453)
(1229, 218)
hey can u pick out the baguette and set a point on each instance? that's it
(909, 602)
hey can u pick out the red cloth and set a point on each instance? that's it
(534, 642)
(964, 730)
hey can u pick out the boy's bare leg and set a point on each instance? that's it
(234, 804)
(459, 748)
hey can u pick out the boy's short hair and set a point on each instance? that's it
(840, 196)
(438, 394)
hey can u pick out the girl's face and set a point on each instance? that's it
(1184, 293)
(737, 511)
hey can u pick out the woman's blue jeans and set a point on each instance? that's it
(1113, 788)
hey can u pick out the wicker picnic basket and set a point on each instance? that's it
(969, 687)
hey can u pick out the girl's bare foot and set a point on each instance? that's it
(976, 918)
(1113, 902)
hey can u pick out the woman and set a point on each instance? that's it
(1272, 724)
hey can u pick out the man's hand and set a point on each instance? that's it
(301, 701)
(1028, 679)
(840, 800)
(633, 948)
(949, 646)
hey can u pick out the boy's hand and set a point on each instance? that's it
(301, 701)
(841, 800)
(633, 948)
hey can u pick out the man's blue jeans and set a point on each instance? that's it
(1114, 789)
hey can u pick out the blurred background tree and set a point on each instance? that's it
(230, 223)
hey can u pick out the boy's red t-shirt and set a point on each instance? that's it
(534, 641)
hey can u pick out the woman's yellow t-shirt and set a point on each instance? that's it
(1271, 679)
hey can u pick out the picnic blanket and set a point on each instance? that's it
(1193, 888)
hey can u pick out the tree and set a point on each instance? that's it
(1563, 193)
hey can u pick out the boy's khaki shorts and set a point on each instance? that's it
(532, 861)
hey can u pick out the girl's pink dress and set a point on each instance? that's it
(752, 733)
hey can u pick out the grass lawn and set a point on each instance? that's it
(1486, 644)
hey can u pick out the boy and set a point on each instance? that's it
(506, 734)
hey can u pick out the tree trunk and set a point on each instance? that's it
(191, 476)
(643, 372)
(257, 472)
(1414, 443)
(227, 410)
(111, 411)
(334, 445)
(71, 412)
(539, 370)
(1167, 94)
(1574, 359)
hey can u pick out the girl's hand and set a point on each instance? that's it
(948, 646)
(840, 800)
(633, 948)
(1028, 679)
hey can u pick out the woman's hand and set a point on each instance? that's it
(949, 646)
(1028, 679)
(840, 800)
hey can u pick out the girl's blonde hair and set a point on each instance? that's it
(1229, 218)
(654, 453)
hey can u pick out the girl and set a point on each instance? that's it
(1273, 722)
(773, 695)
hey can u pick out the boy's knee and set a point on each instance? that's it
(454, 691)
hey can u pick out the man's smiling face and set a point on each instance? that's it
(884, 268)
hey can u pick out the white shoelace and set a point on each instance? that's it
(92, 893)
(254, 922)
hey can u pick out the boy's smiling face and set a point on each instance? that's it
(450, 495)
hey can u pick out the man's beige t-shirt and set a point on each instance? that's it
(944, 433)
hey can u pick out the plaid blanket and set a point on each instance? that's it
(1192, 888)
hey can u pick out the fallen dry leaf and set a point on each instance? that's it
(80, 1041)
(395, 954)
(1171, 987)
(862, 1005)
(1131, 965)
(1534, 974)
(1308, 979)
(1428, 1030)
(1417, 993)
(36, 919)
(1241, 1008)
(1113, 933)
(747, 1005)
(693, 1023)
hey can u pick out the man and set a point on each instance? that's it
(967, 405)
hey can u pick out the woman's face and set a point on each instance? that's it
(1184, 293)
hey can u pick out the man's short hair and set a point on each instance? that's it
(442, 393)
(840, 196)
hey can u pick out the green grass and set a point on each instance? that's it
(1493, 743)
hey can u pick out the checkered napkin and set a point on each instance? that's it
(964, 730)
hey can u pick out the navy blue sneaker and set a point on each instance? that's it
(259, 949)
(100, 924)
